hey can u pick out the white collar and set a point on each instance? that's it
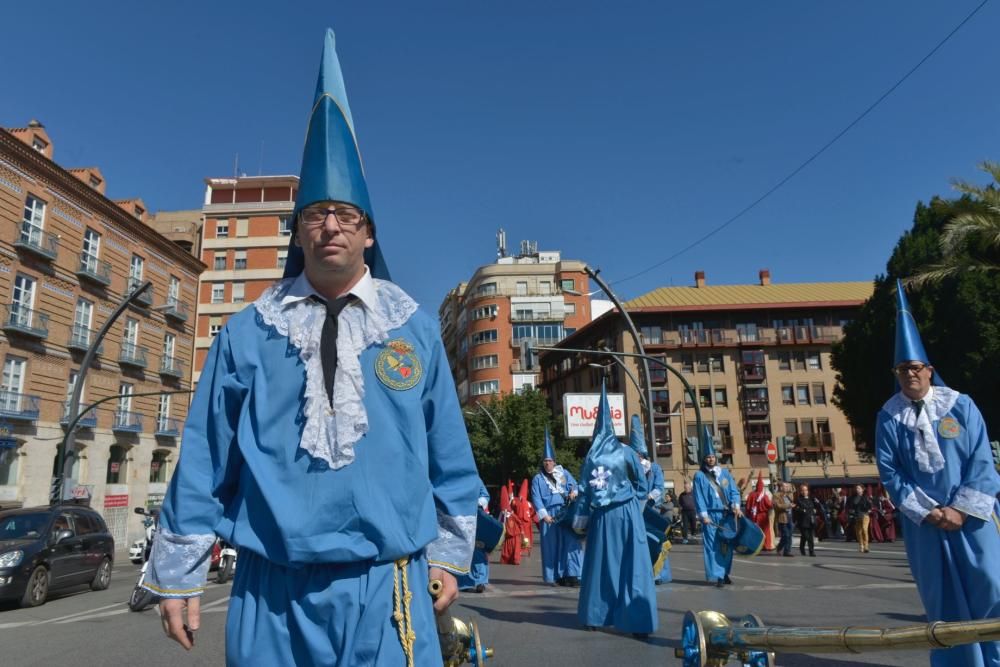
(938, 402)
(302, 289)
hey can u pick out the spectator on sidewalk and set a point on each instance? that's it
(805, 511)
(859, 507)
(834, 506)
(689, 514)
(783, 503)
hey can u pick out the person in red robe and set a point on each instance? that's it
(758, 506)
(887, 512)
(875, 524)
(510, 553)
(528, 519)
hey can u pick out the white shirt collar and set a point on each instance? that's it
(302, 289)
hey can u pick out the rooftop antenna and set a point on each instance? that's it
(501, 243)
(260, 159)
(236, 166)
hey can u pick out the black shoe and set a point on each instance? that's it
(812, 554)
(573, 582)
(727, 580)
(591, 628)
(718, 584)
(480, 588)
(561, 581)
(642, 636)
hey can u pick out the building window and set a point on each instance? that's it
(486, 361)
(486, 387)
(117, 465)
(544, 287)
(687, 363)
(567, 284)
(214, 326)
(523, 383)
(14, 369)
(220, 261)
(802, 394)
(135, 271)
(651, 335)
(33, 221)
(158, 467)
(131, 337)
(819, 394)
(240, 260)
(787, 394)
(798, 361)
(784, 361)
(485, 312)
(282, 258)
(91, 249)
(791, 427)
(242, 227)
(139, 212)
(715, 363)
(124, 412)
(813, 361)
(73, 375)
(702, 363)
(238, 292)
(39, 144)
(521, 288)
(661, 402)
(657, 375)
(721, 397)
(704, 397)
(569, 308)
(481, 337)
(486, 289)
(163, 413)
(174, 291)
(285, 225)
(218, 293)
(222, 229)
(95, 182)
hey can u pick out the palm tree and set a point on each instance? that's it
(971, 240)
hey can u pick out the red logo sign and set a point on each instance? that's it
(115, 501)
(772, 452)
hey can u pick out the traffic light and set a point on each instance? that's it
(789, 447)
(995, 446)
(691, 449)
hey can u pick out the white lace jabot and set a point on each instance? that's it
(330, 433)
(937, 403)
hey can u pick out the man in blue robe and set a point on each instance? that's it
(479, 570)
(654, 484)
(617, 584)
(934, 458)
(717, 500)
(552, 489)
(326, 441)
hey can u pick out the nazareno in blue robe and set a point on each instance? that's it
(562, 552)
(654, 479)
(479, 570)
(616, 588)
(718, 557)
(943, 457)
(322, 502)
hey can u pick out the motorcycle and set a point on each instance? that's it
(142, 598)
(227, 562)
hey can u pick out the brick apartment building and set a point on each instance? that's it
(68, 257)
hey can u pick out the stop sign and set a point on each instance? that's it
(772, 452)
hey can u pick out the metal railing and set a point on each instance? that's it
(94, 269)
(18, 406)
(130, 422)
(26, 321)
(822, 441)
(39, 242)
(88, 420)
(171, 366)
(80, 338)
(146, 297)
(524, 316)
(167, 427)
(176, 309)
(132, 355)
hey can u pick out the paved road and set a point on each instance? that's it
(527, 623)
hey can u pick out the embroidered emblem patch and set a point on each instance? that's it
(949, 428)
(397, 366)
(724, 482)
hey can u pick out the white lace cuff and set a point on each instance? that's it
(541, 512)
(917, 505)
(178, 564)
(974, 503)
(452, 550)
(656, 494)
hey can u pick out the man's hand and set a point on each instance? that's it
(951, 519)
(548, 519)
(449, 588)
(705, 520)
(573, 494)
(172, 617)
(737, 512)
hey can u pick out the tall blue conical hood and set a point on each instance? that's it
(604, 470)
(331, 161)
(636, 439)
(909, 347)
(707, 443)
(549, 452)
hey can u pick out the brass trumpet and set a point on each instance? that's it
(460, 640)
(712, 639)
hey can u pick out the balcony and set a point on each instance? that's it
(813, 442)
(146, 298)
(171, 367)
(34, 240)
(25, 321)
(127, 422)
(533, 342)
(753, 372)
(799, 335)
(89, 420)
(80, 338)
(175, 309)
(132, 355)
(756, 408)
(19, 407)
(168, 427)
(94, 270)
(527, 316)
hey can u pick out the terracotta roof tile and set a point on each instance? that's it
(743, 295)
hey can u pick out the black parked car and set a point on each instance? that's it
(45, 548)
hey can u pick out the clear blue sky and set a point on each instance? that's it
(616, 132)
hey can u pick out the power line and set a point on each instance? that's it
(812, 157)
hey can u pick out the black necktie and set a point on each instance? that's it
(917, 406)
(328, 341)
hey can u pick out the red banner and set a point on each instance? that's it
(115, 501)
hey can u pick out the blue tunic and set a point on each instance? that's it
(617, 585)
(323, 501)
(943, 457)
(717, 556)
(479, 570)
(562, 553)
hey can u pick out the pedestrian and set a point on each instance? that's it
(479, 570)
(718, 502)
(784, 501)
(758, 509)
(667, 508)
(689, 513)
(805, 511)
(514, 527)
(617, 586)
(834, 507)
(887, 515)
(934, 458)
(859, 507)
(326, 441)
(552, 489)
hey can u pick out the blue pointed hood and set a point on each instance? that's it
(707, 444)
(909, 347)
(636, 439)
(331, 161)
(604, 469)
(549, 452)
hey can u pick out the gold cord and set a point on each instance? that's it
(401, 597)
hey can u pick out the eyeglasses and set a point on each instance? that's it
(910, 370)
(350, 218)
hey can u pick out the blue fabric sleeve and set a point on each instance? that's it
(538, 496)
(911, 500)
(657, 486)
(205, 477)
(977, 494)
(571, 484)
(452, 470)
(734, 492)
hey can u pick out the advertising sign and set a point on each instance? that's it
(115, 501)
(580, 412)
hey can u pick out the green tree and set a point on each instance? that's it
(971, 240)
(958, 315)
(513, 449)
